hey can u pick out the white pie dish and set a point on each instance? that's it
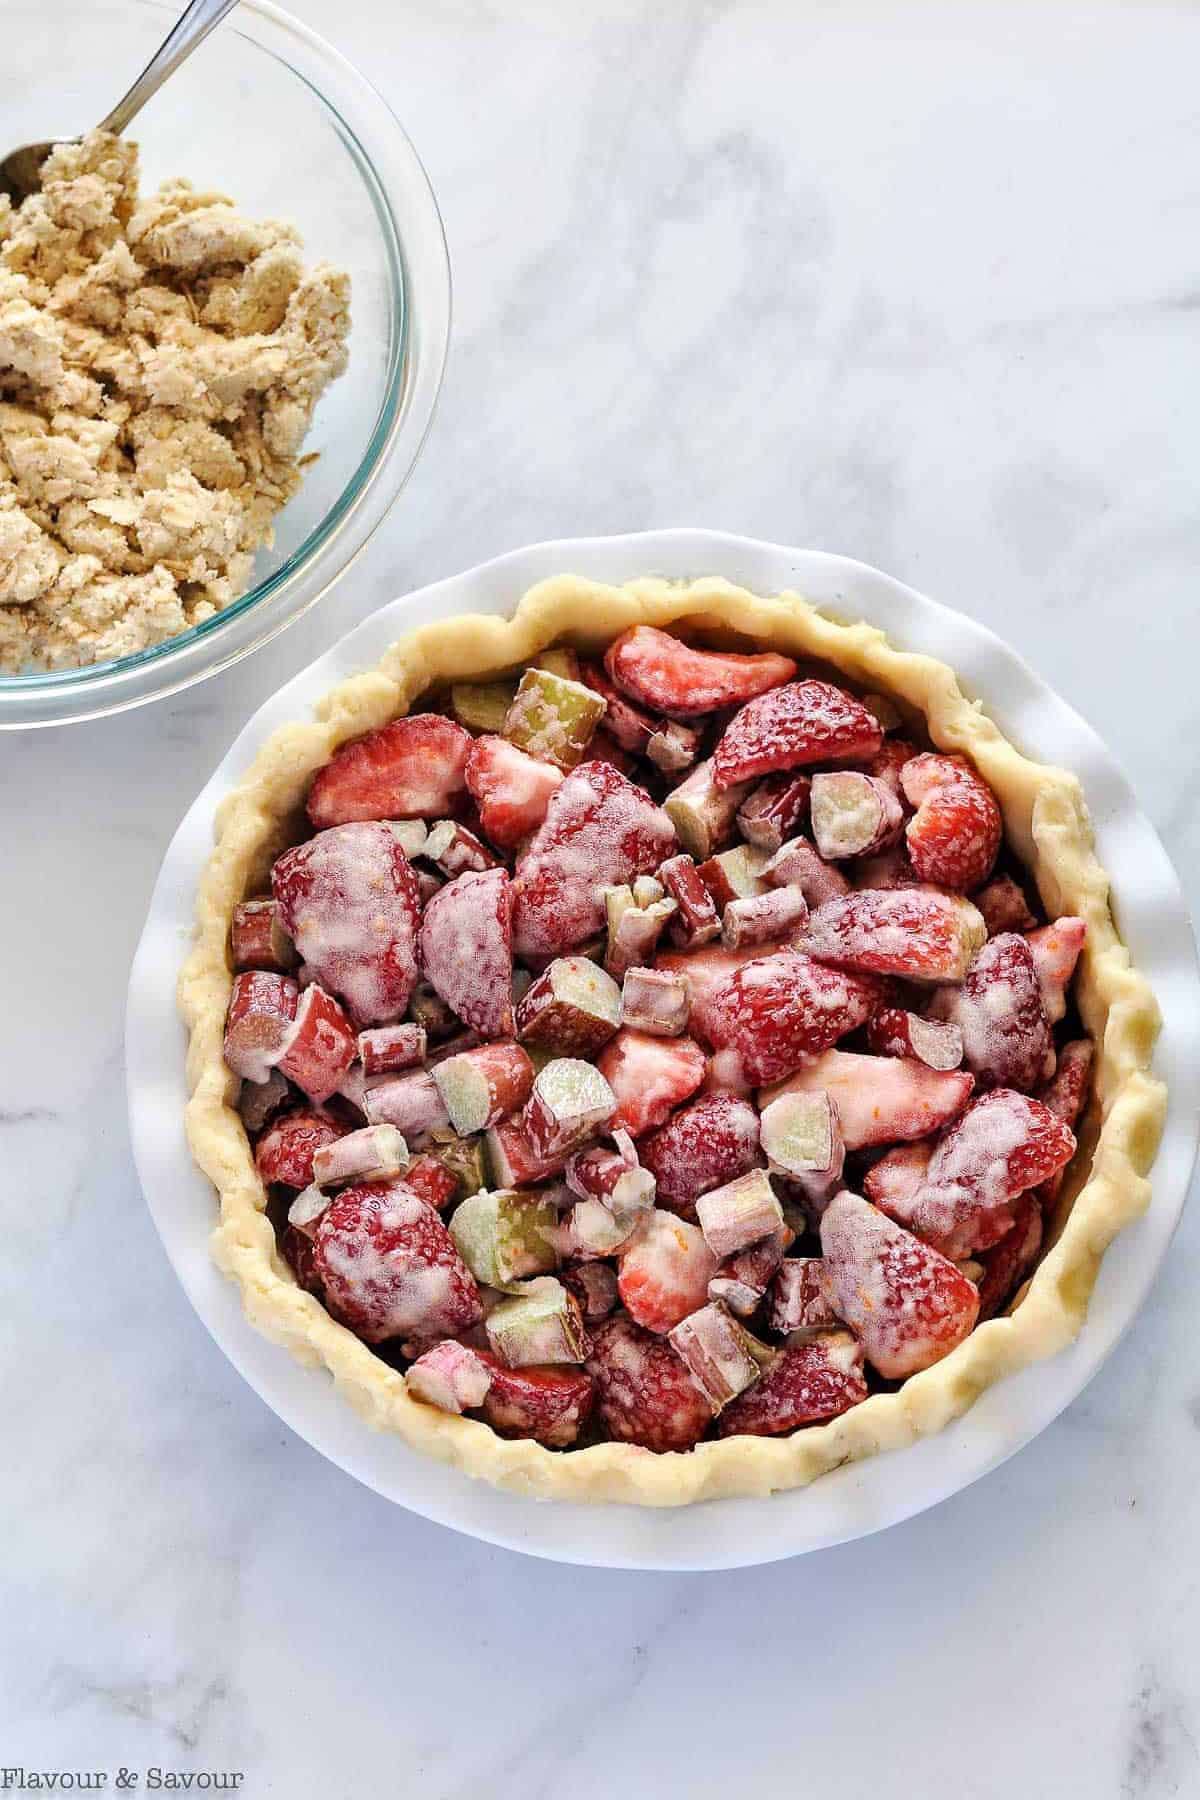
(854, 1500)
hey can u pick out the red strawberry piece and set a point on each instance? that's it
(600, 831)
(696, 920)
(257, 939)
(913, 932)
(1003, 1145)
(594, 1285)
(894, 1032)
(466, 949)
(656, 669)
(664, 1271)
(955, 836)
(604, 749)
(410, 769)
(806, 722)
(511, 789)
(348, 898)
(320, 1045)
(807, 1382)
(261, 1008)
(644, 1393)
(432, 1181)
(781, 1010)
(701, 1147)
(650, 1077)
(887, 763)
(1055, 951)
(1005, 1032)
(1006, 1265)
(799, 864)
(881, 1099)
(300, 1256)
(628, 724)
(892, 1182)
(773, 812)
(284, 1153)
(389, 1266)
(906, 1303)
(890, 869)
(1066, 1096)
(1004, 906)
(548, 1404)
(389, 1048)
(707, 972)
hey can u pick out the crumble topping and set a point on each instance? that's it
(160, 360)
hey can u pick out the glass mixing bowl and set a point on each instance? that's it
(271, 114)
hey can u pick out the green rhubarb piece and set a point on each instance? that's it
(483, 705)
(562, 662)
(505, 1235)
(463, 1157)
(553, 718)
(542, 1323)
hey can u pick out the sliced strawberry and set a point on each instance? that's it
(1005, 1031)
(1004, 1144)
(887, 763)
(777, 1012)
(661, 672)
(284, 1153)
(906, 1303)
(890, 869)
(665, 1271)
(262, 1005)
(650, 1076)
(1006, 1265)
(894, 1032)
(913, 932)
(881, 1099)
(1055, 951)
(300, 1255)
(466, 949)
(703, 1146)
(807, 1382)
(548, 1404)
(955, 836)
(1066, 1096)
(644, 1393)
(410, 769)
(891, 1183)
(1004, 906)
(389, 1266)
(348, 899)
(707, 972)
(807, 722)
(799, 864)
(512, 790)
(320, 1045)
(599, 831)
(434, 1181)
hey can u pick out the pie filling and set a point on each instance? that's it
(656, 1050)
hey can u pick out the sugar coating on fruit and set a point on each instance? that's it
(160, 361)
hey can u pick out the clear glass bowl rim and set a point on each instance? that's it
(418, 261)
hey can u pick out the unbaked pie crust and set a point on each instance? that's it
(1048, 826)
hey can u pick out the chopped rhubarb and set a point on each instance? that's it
(743, 1278)
(720, 1355)
(764, 918)
(800, 1297)
(319, 1045)
(894, 1032)
(553, 718)
(376, 1153)
(773, 813)
(703, 815)
(674, 748)
(450, 1376)
(739, 1214)
(480, 1087)
(457, 851)
(802, 1135)
(617, 1180)
(853, 814)
(541, 1323)
(594, 1285)
(656, 1001)
(735, 874)
(259, 1101)
(506, 1235)
(650, 1076)
(258, 940)
(633, 930)
(905, 1302)
(386, 1049)
(696, 921)
(570, 1104)
(590, 1229)
(798, 864)
(659, 671)
(572, 1008)
(483, 705)
(412, 768)
(412, 1103)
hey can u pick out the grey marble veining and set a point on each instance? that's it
(916, 282)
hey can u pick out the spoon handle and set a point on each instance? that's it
(188, 31)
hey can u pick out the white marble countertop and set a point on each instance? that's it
(917, 282)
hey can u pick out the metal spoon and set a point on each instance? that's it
(21, 170)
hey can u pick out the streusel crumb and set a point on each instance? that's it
(160, 360)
